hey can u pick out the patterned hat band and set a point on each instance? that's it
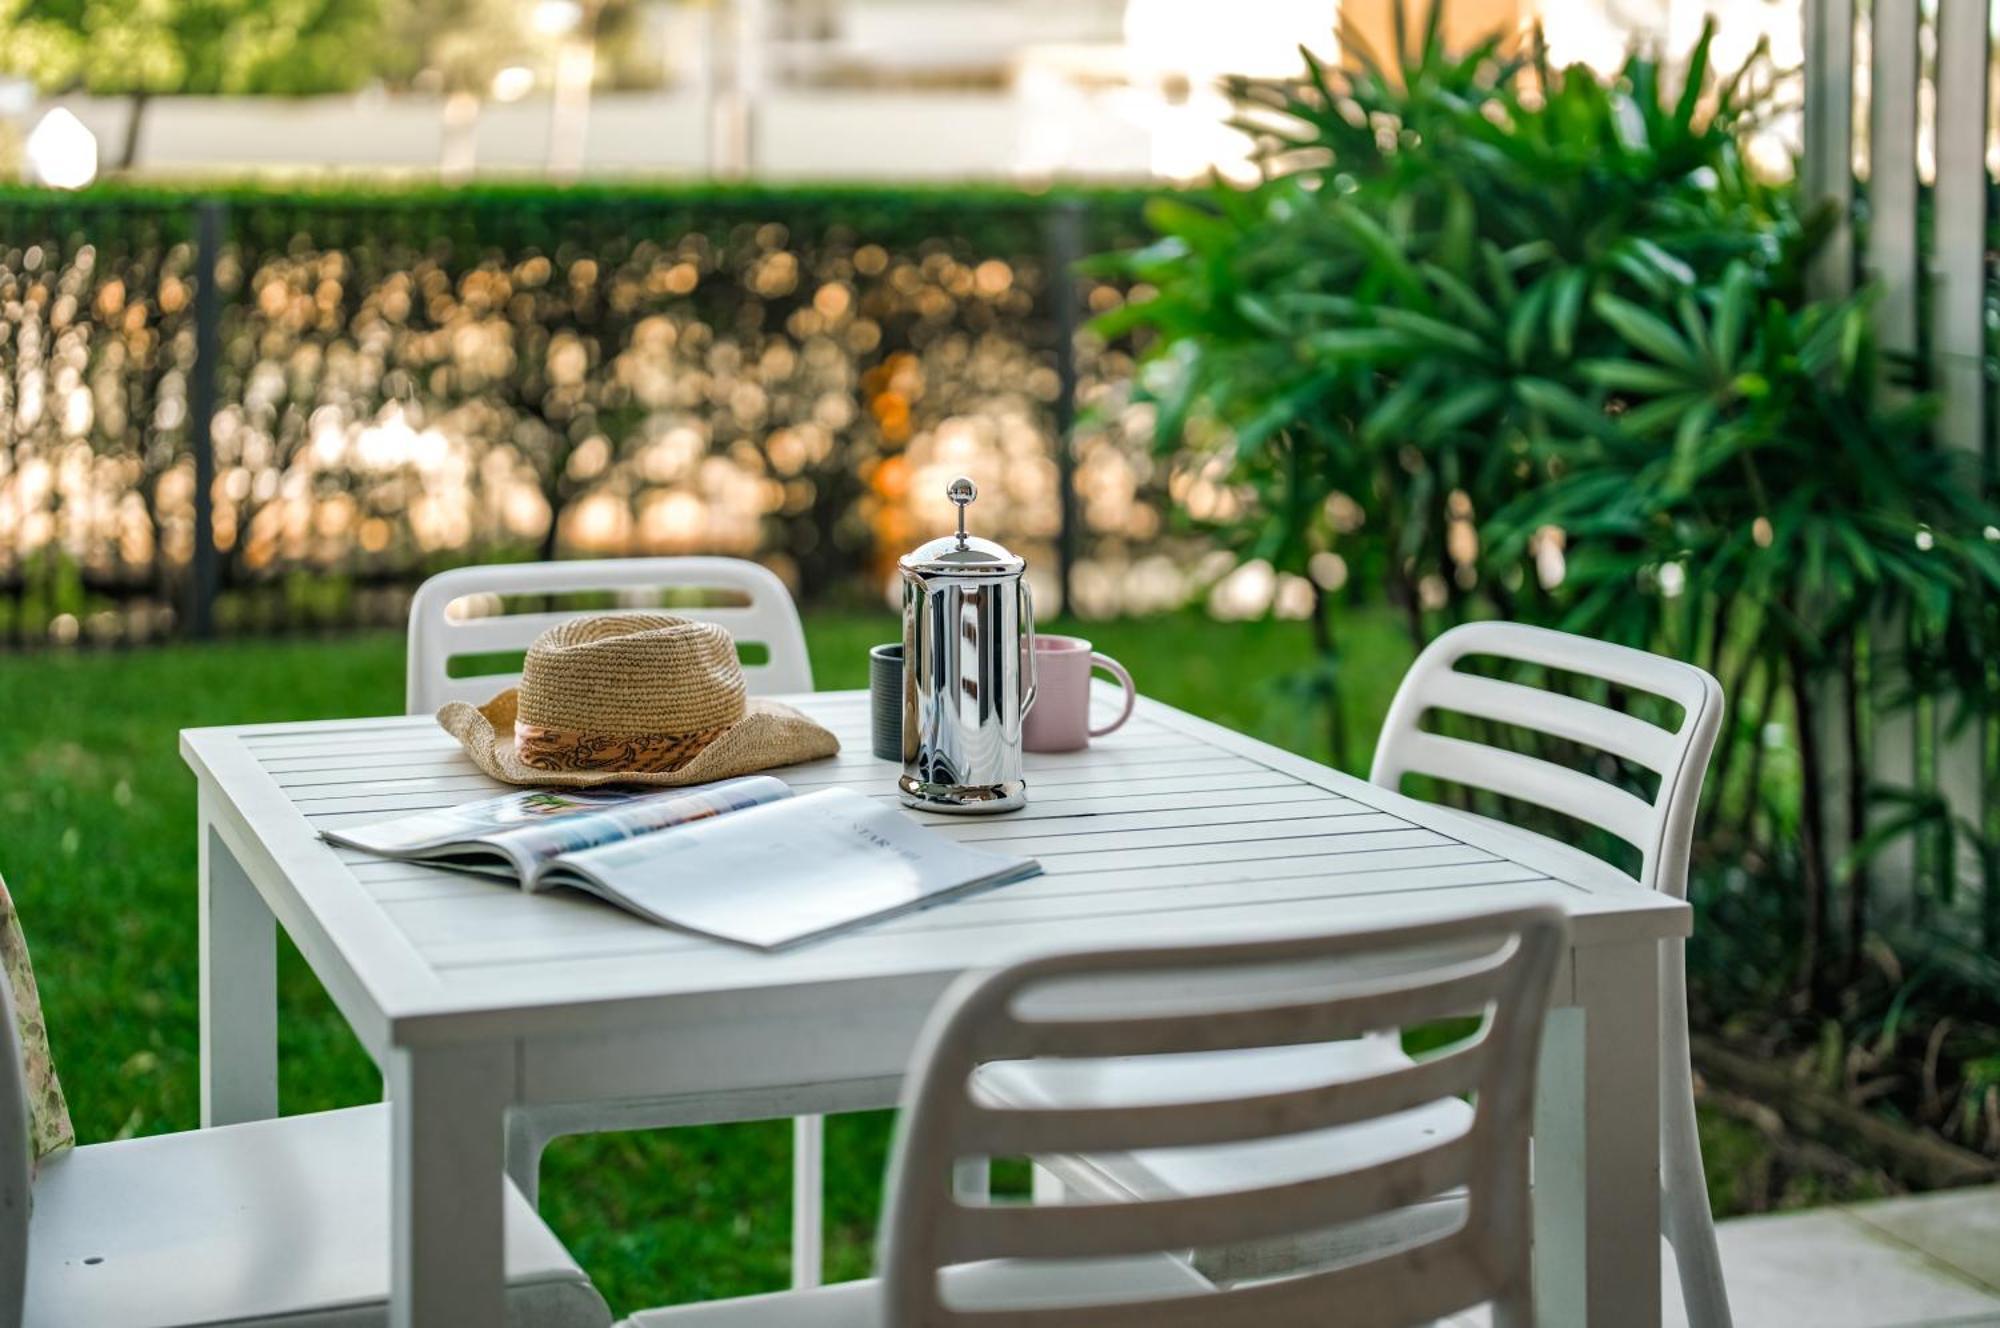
(544, 748)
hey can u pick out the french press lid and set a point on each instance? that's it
(962, 554)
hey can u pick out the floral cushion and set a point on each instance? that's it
(48, 1115)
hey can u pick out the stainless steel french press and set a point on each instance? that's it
(968, 671)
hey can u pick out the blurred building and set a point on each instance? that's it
(844, 89)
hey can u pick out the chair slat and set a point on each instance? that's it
(1072, 1231)
(1531, 779)
(1560, 716)
(1468, 990)
(516, 631)
(1020, 1131)
(1420, 1285)
(1680, 683)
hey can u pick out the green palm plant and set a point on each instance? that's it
(1480, 307)
(1374, 340)
(1750, 452)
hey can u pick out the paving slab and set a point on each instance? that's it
(1925, 1261)
(1959, 1227)
(1830, 1269)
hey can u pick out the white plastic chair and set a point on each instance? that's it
(1385, 1140)
(458, 613)
(271, 1224)
(1660, 829)
(438, 634)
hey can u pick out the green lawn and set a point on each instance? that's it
(98, 846)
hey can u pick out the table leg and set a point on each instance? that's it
(448, 1154)
(808, 1200)
(1597, 1146)
(239, 988)
(972, 1179)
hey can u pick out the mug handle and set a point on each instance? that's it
(1113, 667)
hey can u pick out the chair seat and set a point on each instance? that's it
(279, 1222)
(996, 1284)
(1164, 1172)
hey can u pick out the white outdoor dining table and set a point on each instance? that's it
(474, 997)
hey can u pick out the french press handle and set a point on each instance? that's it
(1029, 679)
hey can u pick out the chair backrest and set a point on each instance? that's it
(440, 632)
(17, 1165)
(1160, 1001)
(1661, 829)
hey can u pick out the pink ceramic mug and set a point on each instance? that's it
(1060, 718)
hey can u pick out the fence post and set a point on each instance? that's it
(1065, 251)
(1893, 259)
(1827, 174)
(1827, 169)
(210, 217)
(1955, 267)
(1958, 349)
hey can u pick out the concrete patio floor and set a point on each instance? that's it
(1931, 1259)
(1925, 1261)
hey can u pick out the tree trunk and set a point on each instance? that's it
(1812, 828)
(1327, 647)
(128, 156)
(1736, 695)
(569, 100)
(1859, 885)
(1754, 779)
(552, 534)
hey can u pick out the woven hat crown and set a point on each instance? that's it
(633, 673)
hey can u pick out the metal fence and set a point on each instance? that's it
(246, 411)
(1900, 139)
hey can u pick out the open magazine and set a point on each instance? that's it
(743, 860)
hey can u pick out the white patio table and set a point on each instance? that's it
(474, 997)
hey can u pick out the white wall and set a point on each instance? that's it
(936, 35)
(800, 134)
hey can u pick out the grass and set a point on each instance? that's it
(97, 844)
(98, 847)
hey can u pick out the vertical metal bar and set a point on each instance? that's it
(1958, 333)
(1828, 166)
(1065, 251)
(211, 217)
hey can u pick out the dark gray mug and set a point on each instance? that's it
(885, 700)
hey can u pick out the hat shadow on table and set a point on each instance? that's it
(632, 698)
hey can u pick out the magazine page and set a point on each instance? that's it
(780, 874)
(527, 829)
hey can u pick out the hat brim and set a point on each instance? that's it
(770, 734)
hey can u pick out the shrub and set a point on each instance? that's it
(410, 377)
(1493, 337)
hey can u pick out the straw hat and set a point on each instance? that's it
(639, 698)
